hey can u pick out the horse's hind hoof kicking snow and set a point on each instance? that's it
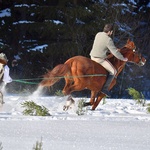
(69, 104)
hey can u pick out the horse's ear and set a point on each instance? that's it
(128, 41)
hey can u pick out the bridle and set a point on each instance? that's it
(135, 54)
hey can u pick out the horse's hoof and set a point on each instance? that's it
(86, 104)
(65, 108)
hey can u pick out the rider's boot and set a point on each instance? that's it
(106, 85)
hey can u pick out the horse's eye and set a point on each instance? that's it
(133, 50)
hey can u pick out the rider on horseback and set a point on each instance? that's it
(103, 43)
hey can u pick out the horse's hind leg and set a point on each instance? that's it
(69, 103)
(75, 85)
(68, 84)
(99, 98)
(92, 99)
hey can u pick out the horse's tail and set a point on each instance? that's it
(55, 75)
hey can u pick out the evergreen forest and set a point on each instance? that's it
(41, 34)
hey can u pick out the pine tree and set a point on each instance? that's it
(68, 29)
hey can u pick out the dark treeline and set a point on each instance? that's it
(66, 28)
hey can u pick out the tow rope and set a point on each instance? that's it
(28, 81)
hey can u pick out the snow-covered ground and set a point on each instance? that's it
(120, 124)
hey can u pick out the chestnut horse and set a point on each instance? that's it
(83, 73)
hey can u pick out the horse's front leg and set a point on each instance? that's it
(101, 95)
(1, 98)
(92, 99)
(99, 98)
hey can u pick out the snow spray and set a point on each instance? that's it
(38, 92)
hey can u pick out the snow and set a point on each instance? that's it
(26, 5)
(119, 124)
(23, 22)
(17, 57)
(39, 48)
(5, 13)
(133, 2)
(57, 22)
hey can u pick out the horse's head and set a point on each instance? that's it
(132, 54)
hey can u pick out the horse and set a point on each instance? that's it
(3, 62)
(82, 73)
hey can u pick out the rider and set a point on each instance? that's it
(103, 44)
